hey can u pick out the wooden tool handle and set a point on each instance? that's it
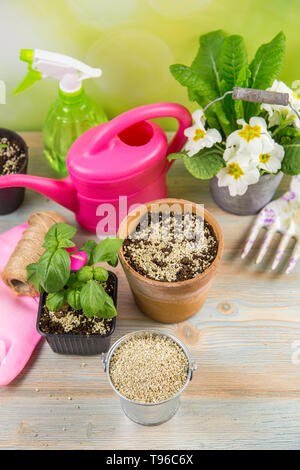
(260, 96)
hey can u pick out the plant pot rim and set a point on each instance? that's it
(22, 141)
(264, 175)
(175, 284)
(93, 335)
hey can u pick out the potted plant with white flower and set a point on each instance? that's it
(243, 147)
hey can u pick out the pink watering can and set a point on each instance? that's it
(113, 166)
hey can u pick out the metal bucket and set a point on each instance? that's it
(149, 414)
(254, 199)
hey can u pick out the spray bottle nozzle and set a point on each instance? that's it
(42, 64)
(26, 55)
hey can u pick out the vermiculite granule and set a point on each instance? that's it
(149, 368)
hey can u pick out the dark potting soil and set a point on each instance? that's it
(12, 157)
(171, 247)
(69, 321)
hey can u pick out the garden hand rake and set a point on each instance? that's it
(281, 215)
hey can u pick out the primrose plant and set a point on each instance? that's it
(83, 289)
(238, 141)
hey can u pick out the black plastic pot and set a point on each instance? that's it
(12, 198)
(79, 344)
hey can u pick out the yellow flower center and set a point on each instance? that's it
(235, 170)
(248, 132)
(199, 134)
(264, 157)
(297, 217)
(295, 96)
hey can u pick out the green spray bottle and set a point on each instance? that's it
(73, 112)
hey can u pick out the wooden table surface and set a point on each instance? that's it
(245, 393)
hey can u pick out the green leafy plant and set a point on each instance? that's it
(220, 65)
(83, 289)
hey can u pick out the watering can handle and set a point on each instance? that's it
(109, 130)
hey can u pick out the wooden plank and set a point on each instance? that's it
(199, 424)
(244, 393)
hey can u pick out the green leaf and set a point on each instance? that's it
(56, 300)
(242, 81)
(88, 247)
(109, 309)
(33, 276)
(291, 161)
(73, 282)
(175, 156)
(244, 77)
(100, 274)
(286, 135)
(85, 274)
(65, 243)
(233, 58)
(210, 114)
(73, 298)
(114, 261)
(203, 79)
(229, 107)
(206, 62)
(59, 234)
(54, 269)
(190, 78)
(268, 62)
(205, 164)
(204, 93)
(107, 250)
(265, 68)
(92, 298)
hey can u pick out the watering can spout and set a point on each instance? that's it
(61, 191)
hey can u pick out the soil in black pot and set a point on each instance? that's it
(171, 247)
(70, 321)
(12, 157)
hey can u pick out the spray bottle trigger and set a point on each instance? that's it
(29, 79)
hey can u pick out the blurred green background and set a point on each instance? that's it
(133, 41)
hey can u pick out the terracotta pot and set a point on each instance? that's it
(169, 302)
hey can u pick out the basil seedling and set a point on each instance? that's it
(82, 290)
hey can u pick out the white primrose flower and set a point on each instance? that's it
(239, 173)
(271, 161)
(198, 136)
(253, 138)
(275, 110)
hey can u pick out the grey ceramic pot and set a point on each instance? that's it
(255, 198)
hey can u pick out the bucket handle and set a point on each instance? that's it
(193, 368)
(254, 95)
(106, 132)
(103, 360)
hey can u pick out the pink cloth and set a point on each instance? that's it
(18, 315)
